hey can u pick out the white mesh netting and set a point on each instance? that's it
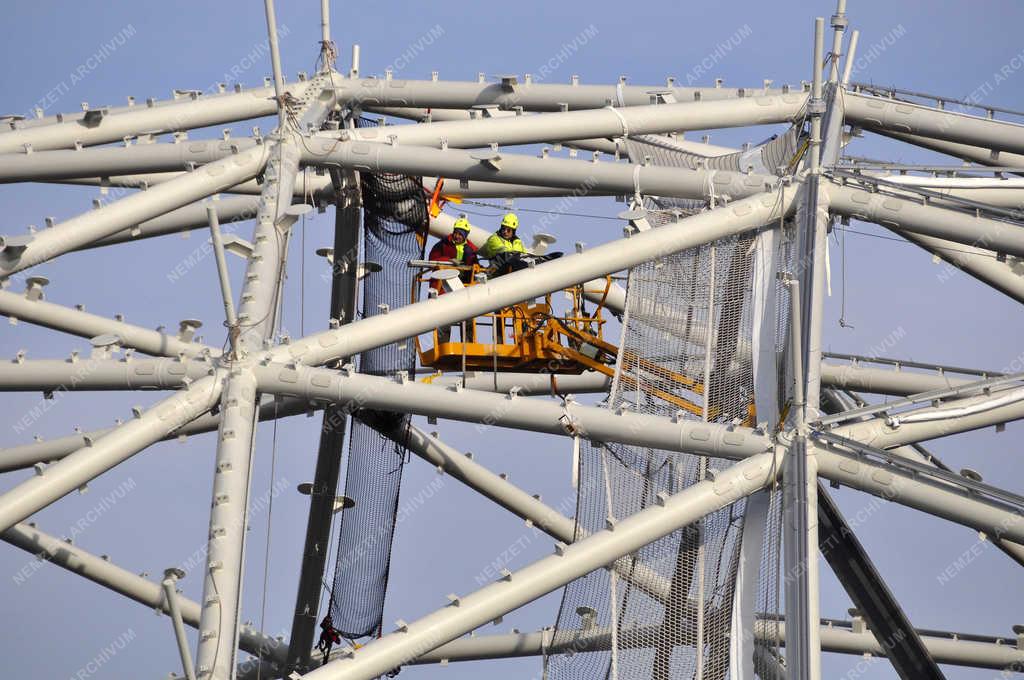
(686, 351)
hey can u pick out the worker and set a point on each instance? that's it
(328, 638)
(506, 251)
(457, 249)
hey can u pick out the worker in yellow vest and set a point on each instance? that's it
(504, 240)
(506, 251)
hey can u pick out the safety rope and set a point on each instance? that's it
(270, 523)
(622, 120)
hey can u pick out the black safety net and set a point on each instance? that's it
(395, 220)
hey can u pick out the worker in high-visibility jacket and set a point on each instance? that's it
(457, 249)
(504, 249)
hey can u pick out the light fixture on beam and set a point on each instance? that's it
(340, 502)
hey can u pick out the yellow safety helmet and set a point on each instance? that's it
(511, 221)
(461, 224)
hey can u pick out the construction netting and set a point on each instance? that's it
(395, 221)
(698, 326)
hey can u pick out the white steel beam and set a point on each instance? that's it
(876, 113)
(538, 415)
(983, 264)
(603, 122)
(515, 500)
(603, 145)
(257, 320)
(541, 577)
(319, 186)
(903, 214)
(189, 218)
(102, 571)
(967, 152)
(86, 325)
(738, 217)
(527, 384)
(100, 373)
(913, 490)
(948, 418)
(616, 178)
(838, 637)
(21, 252)
(449, 94)
(229, 512)
(103, 162)
(96, 457)
(46, 451)
(65, 130)
(889, 381)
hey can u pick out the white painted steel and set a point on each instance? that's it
(543, 576)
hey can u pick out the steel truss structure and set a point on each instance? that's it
(462, 134)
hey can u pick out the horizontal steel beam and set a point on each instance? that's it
(906, 487)
(543, 576)
(890, 381)
(738, 217)
(843, 376)
(603, 145)
(602, 122)
(100, 373)
(450, 94)
(581, 176)
(229, 209)
(837, 637)
(95, 458)
(46, 451)
(136, 158)
(984, 265)
(86, 325)
(880, 433)
(608, 146)
(103, 126)
(598, 424)
(527, 384)
(538, 415)
(904, 117)
(102, 571)
(19, 253)
(965, 152)
(319, 189)
(904, 214)
(530, 508)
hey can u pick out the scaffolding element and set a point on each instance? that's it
(672, 561)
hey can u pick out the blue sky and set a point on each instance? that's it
(56, 623)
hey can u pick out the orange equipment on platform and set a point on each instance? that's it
(530, 337)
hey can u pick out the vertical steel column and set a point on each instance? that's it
(332, 433)
(325, 22)
(838, 27)
(803, 646)
(851, 54)
(225, 282)
(258, 309)
(259, 302)
(813, 237)
(222, 585)
(170, 586)
(801, 513)
(275, 63)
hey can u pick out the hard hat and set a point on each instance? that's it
(461, 224)
(510, 220)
